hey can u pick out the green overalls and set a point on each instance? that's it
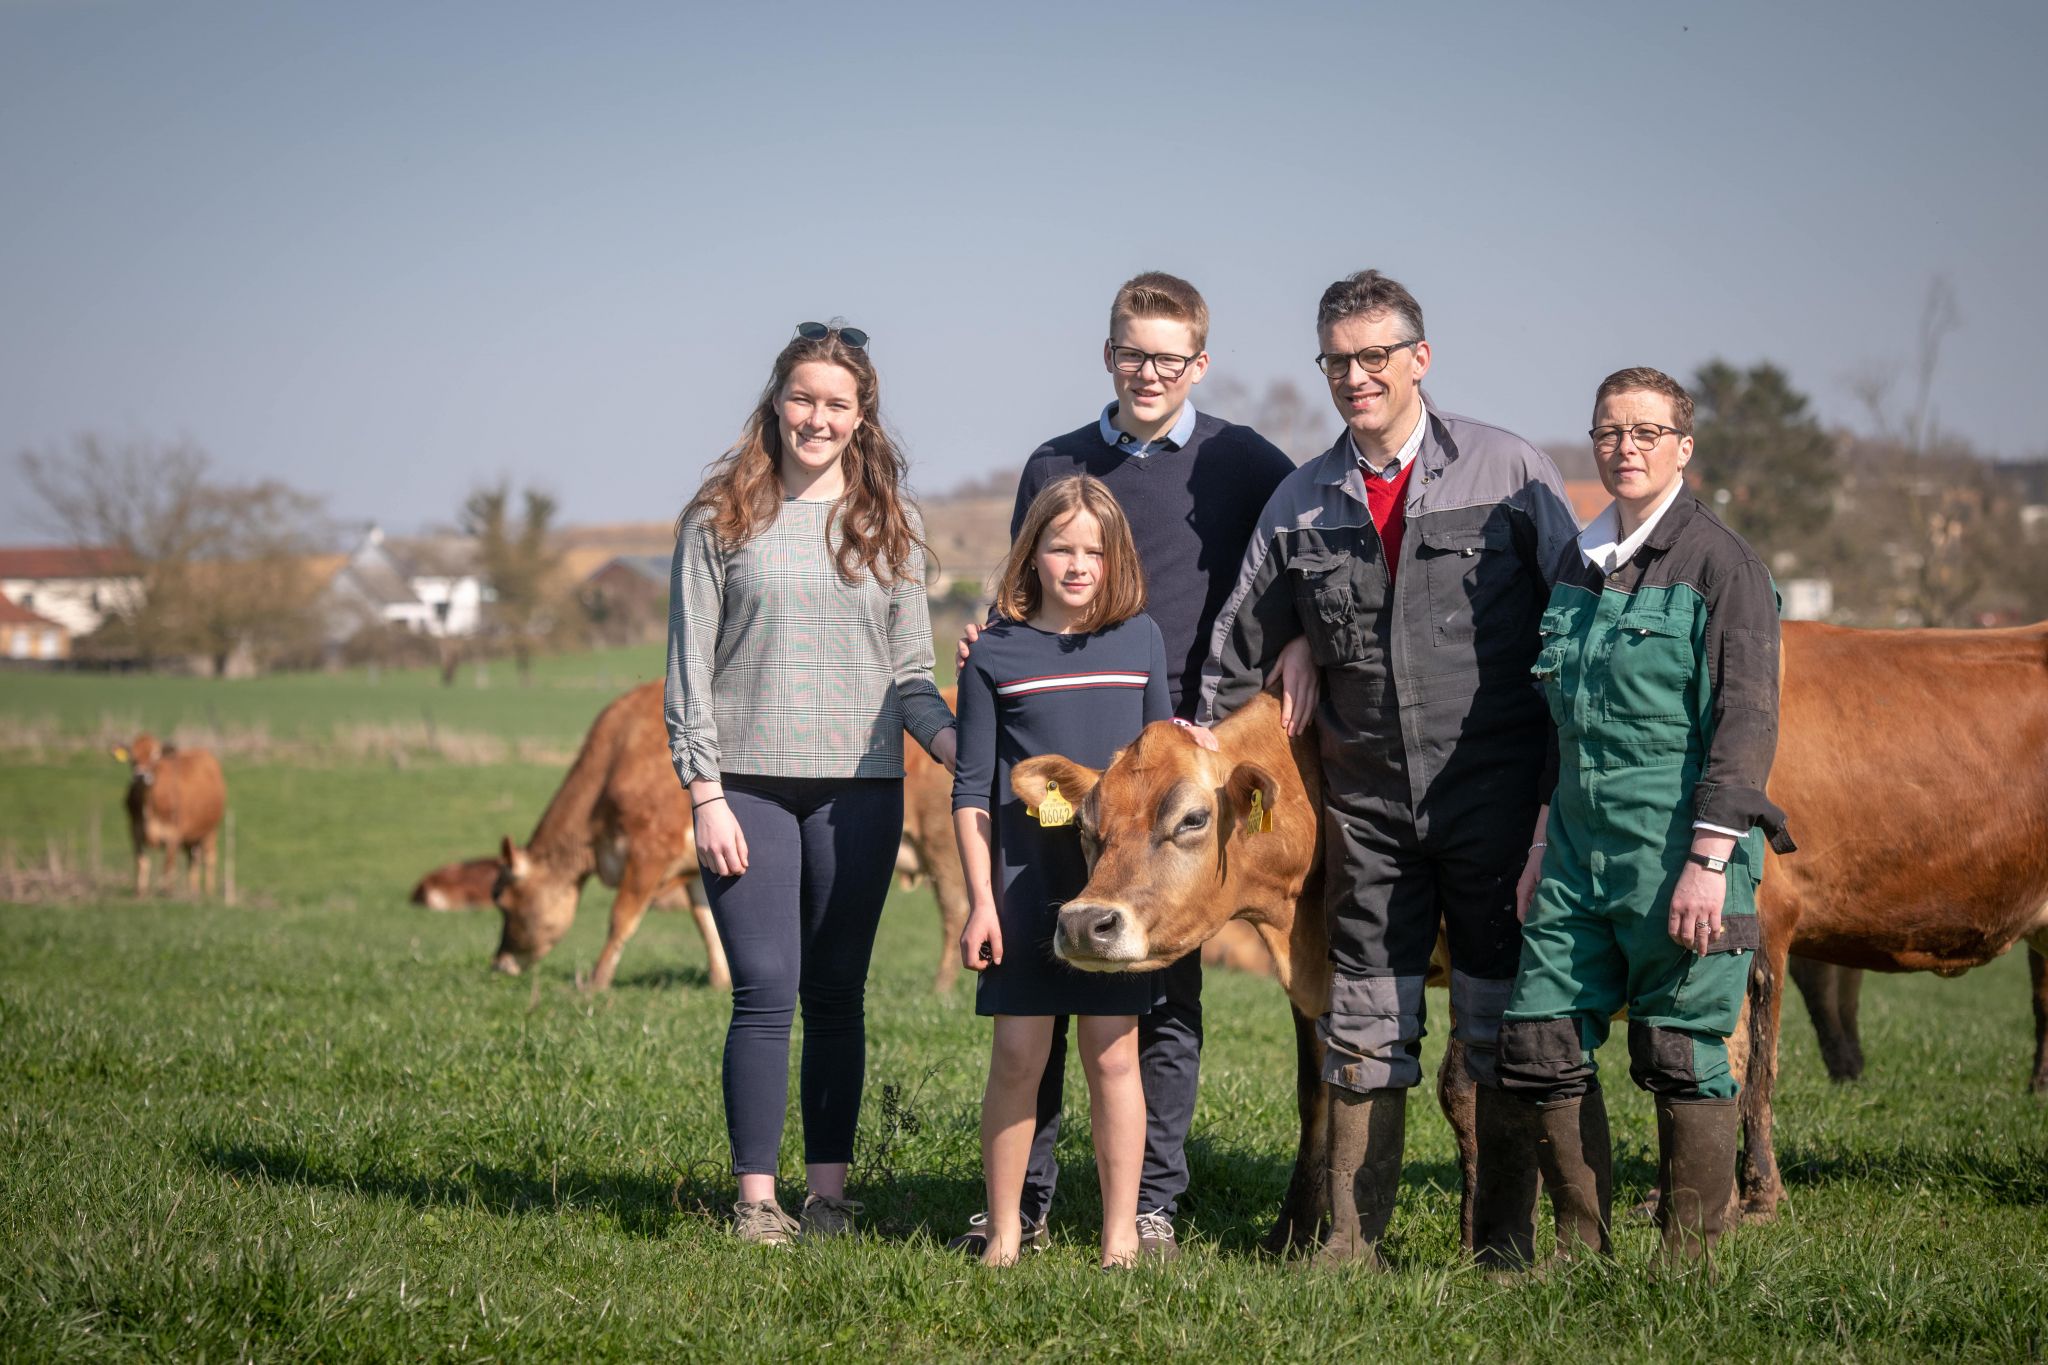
(1628, 685)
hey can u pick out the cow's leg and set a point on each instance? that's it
(209, 848)
(949, 889)
(2037, 964)
(1307, 1203)
(715, 965)
(1458, 1095)
(1831, 994)
(141, 868)
(1760, 1186)
(636, 888)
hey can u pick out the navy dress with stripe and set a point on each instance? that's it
(1025, 692)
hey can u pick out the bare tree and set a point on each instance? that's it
(1280, 412)
(524, 606)
(1916, 429)
(222, 565)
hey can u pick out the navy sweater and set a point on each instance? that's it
(1193, 513)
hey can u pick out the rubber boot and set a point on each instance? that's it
(1367, 1130)
(1576, 1155)
(1696, 1172)
(1504, 1202)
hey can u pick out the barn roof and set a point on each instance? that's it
(64, 561)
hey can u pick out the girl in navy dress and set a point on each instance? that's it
(1073, 666)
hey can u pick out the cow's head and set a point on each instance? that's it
(537, 906)
(1172, 851)
(141, 754)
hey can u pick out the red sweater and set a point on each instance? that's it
(1387, 499)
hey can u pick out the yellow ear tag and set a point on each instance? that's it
(1258, 820)
(1054, 810)
(121, 755)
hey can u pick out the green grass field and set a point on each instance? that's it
(312, 1126)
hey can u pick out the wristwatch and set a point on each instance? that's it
(1710, 863)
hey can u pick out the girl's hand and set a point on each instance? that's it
(967, 638)
(721, 843)
(981, 942)
(1202, 735)
(946, 748)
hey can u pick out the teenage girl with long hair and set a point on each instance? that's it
(1073, 666)
(800, 650)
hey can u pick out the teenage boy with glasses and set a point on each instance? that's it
(1190, 485)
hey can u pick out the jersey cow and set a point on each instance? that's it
(619, 814)
(175, 800)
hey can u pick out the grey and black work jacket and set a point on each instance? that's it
(1426, 677)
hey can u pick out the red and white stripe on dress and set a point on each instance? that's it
(1067, 682)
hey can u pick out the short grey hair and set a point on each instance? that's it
(1366, 293)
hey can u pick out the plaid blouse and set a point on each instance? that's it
(779, 667)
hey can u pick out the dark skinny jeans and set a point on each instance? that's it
(799, 926)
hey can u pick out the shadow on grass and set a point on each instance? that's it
(2016, 1178)
(663, 979)
(641, 1205)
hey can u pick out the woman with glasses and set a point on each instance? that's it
(1660, 664)
(799, 652)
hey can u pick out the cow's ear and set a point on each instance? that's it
(1251, 789)
(120, 753)
(514, 858)
(1029, 779)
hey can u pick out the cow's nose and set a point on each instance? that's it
(1101, 927)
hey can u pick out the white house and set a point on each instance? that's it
(428, 586)
(75, 588)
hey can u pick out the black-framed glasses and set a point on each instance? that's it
(818, 331)
(1373, 359)
(1165, 364)
(1607, 440)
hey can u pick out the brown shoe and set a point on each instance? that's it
(1155, 1236)
(823, 1217)
(763, 1223)
(1696, 1172)
(1504, 1202)
(1363, 1170)
(1576, 1156)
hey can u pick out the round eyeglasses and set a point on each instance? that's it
(1373, 359)
(1607, 440)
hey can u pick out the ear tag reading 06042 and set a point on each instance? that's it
(1053, 809)
(1258, 820)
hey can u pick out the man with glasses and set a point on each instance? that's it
(1415, 556)
(1190, 485)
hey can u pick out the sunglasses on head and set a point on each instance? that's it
(818, 331)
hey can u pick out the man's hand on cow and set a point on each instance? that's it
(1300, 684)
(721, 843)
(1696, 901)
(981, 942)
(967, 639)
(946, 747)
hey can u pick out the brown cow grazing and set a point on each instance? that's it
(1913, 766)
(175, 800)
(620, 813)
(458, 886)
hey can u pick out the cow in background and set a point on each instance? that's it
(930, 853)
(176, 798)
(468, 885)
(621, 815)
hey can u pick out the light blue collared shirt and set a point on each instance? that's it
(1183, 430)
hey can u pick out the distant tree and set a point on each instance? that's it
(1281, 412)
(222, 564)
(523, 606)
(1761, 459)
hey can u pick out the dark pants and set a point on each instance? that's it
(1169, 1064)
(799, 926)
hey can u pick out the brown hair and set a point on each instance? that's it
(1643, 379)
(1156, 294)
(1121, 593)
(1366, 293)
(742, 494)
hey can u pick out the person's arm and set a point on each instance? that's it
(1158, 698)
(1741, 649)
(910, 662)
(696, 608)
(1532, 864)
(974, 779)
(1550, 541)
(1257, 619)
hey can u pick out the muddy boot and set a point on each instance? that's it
(1504, 1203)
(1696, 1172)
(1367, 1130)
(1576, 1156)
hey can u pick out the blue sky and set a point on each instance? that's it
(387, 252)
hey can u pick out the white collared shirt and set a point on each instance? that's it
(1600, 542)
(1392, 468)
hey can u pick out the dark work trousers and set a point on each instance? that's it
(799, 926)
(1169, 1065)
